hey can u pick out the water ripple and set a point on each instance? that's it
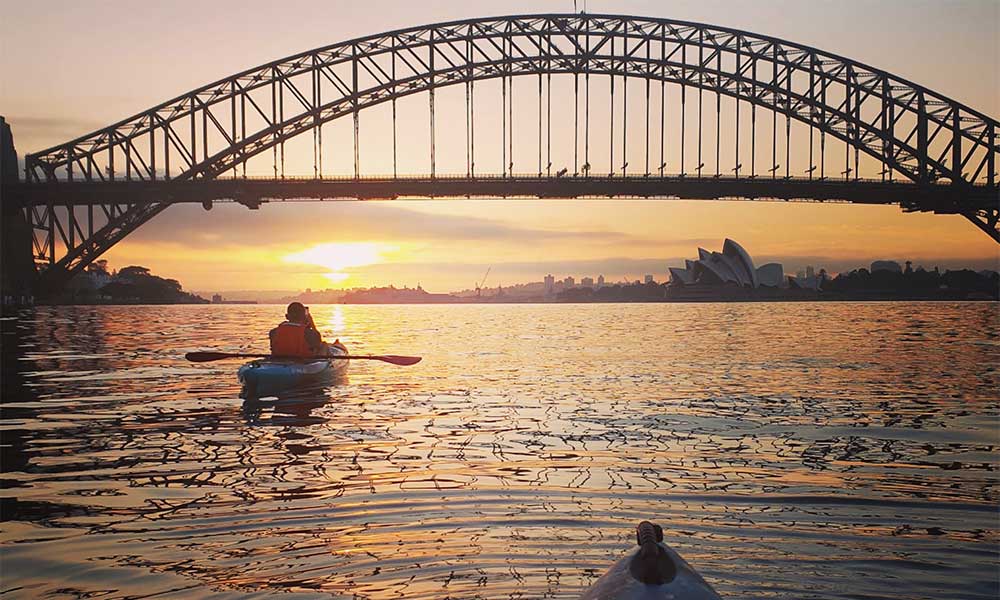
(840, 450)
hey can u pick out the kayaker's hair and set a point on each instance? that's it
(295, 310)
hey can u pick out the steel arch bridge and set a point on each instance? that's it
(921, 149)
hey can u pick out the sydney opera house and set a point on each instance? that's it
(731, 267)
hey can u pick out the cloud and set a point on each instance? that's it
(307, 223)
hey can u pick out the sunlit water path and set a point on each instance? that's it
(830, 450)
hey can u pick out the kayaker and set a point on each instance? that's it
(297, 336)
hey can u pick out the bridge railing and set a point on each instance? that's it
(389, 177)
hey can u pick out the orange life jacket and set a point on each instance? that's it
(289, 339)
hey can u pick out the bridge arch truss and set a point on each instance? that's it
(914, 134)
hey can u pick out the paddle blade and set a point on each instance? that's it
(206, 356)
(403, 361)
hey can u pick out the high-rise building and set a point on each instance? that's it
(810, 272)
(649, 279)
(550, 284)
(569, 282)
(587, 282)
(600, 281)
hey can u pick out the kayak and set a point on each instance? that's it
(653, 572)
(271, 376)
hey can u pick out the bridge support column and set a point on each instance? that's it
(17, 268)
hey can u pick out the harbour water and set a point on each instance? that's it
(805, 450)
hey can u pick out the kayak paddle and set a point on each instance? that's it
(404, 361)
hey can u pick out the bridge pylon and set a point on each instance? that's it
(18, 276)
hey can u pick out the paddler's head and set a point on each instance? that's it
(297, 313)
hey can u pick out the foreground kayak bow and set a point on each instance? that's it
(653, 572)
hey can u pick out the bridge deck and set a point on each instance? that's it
(940, 198)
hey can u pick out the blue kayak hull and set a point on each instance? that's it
(270, 377)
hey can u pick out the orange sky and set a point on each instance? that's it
(447, 245)
(72, 67)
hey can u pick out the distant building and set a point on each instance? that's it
(886, 265)
(770, 275)
(600, 281)
(393, 295)
(683, 276)
(218, 299)
(569, 282)
(98, 273)
(649, 279)
(732, 266)
(550, 284)
(805, 282)
(810, 272)
(89, 282)
(587, 282)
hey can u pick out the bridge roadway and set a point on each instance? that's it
(938, 198)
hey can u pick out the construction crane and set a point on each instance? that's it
(479, 288)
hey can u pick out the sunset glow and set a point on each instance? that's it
(338, 258)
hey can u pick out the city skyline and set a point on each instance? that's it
(448, 244)
(800, 271)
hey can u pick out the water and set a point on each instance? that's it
(829, 450)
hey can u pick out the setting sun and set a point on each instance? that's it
(338, 257)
